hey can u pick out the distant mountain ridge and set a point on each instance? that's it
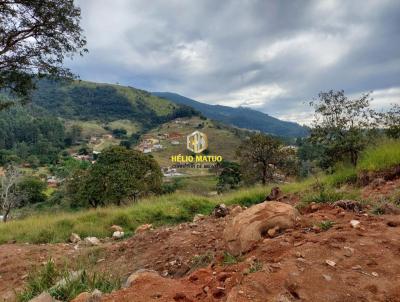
(240, 116)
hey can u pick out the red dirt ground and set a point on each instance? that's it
(289, 267)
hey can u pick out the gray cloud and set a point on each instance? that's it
(269, 55)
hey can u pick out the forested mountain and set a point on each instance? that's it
(81, 100)
(239, 117)
(30, 134)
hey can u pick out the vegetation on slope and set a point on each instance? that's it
(173, 208)
(80, 100)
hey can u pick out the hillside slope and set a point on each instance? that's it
(239, 117)
(81, 100)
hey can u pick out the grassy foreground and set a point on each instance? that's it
(181, 207)
(162, 210)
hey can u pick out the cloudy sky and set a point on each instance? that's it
(268, 55)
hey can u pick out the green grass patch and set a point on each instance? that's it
(342, 176)
(162, 210)
(47, 278)
(382, 156)
(325, 225)
(230, 259)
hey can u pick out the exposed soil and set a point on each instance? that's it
(289, 267)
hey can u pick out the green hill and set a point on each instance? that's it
(81, 100)
(240, 117)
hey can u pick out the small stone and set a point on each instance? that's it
(118, 235)
(273, 232)
(355, 224)
(43, 297)
(299, 255)
(95, 296)
(198, 217)
(143, 228)
(375, 274)
(316, 228)
(83, 297)
(314, 206)
(74, 238)
(116, 228)
(220, 211)
(348, 251)
(92, 241)
(138, 274)
(330, 263)
(327, 277)
(196, 233)
(357, 268)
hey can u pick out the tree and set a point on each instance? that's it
(391, 121)
(119, 133)
(118, 175)
(229, 176)
(10, 197)
(35, 38)
(262, 156)
(32, 189)
(342, 126)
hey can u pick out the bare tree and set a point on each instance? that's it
(10, 198)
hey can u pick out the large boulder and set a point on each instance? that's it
(253, 224)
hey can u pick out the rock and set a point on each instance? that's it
(314, 206)
(355, 224)
(253, 224)
(198, 217)
(220, 211)
(349, 205)
(43, 297)
(389, 208)
(82, 297)
(143, 228)
(116, 228)
(71, 276)
(348, 251)
(91, 241)
(330, 263)
(236, 210)
(118, 235)
(95, 296)
(139, 274)
(273, 232)
(327, 277)
(375, 274)
(357, 268)
(74, 238)
(378, 182)
(274, 195)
